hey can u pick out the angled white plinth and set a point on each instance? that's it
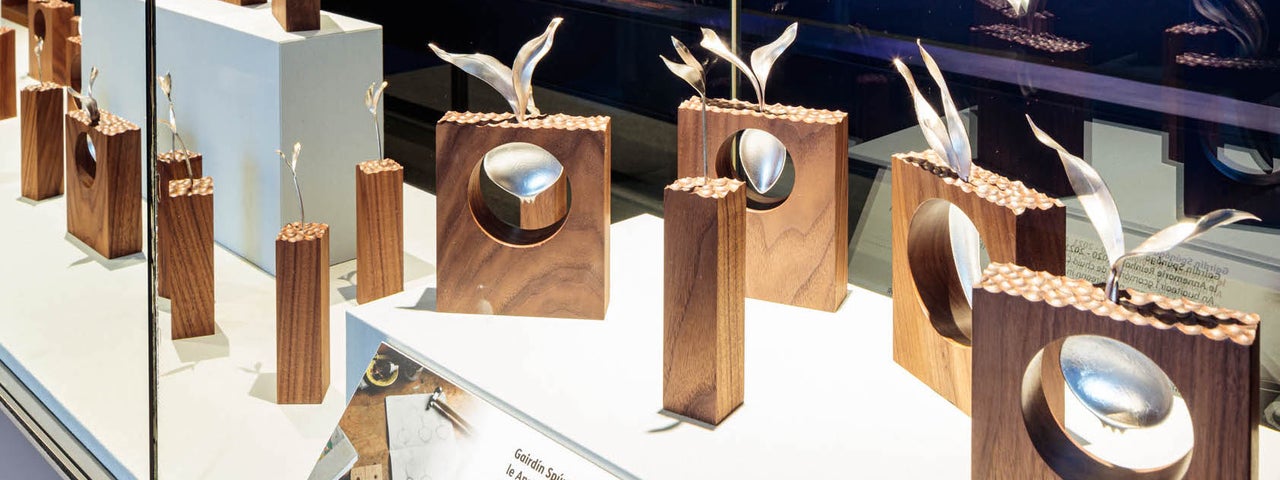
(243, 87)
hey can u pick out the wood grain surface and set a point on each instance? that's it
(170, 167)
(379, 229)
(704, 294)
(42, 146)
(297, 15)
(547, 208)
(188, 255)
(51, 21)
(798, 251)
(104, 209)
(14, 11)
(486, 266)
(931, 316)
(72, 60)
(8, 73)
(302, 313)
(1210, 354)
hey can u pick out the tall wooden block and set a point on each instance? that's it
(1021, 317)
(379, 229)
(703, 297)
(488, 266)
(931, 316)
(797, 251)
(187, 227)
(8, 74)
(72, 60)
(169, 167)
(302, 313)
(297, 15)
(104, 209)
(49, 21)
(42, 145)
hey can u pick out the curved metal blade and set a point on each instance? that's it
(685, 55)
(1019, 7)
(712, 43)
(762, 58)
(1187, 230)
(1093, 195)
(166, 85)
(930, 123)
(526, 60)
(965, 248)
(691, 75)
(959, 155)
(763, 156)
(486, 68)
(1248, 25)
(522, 169)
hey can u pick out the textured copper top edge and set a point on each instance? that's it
(988, 185)
(1039, 40)
(186, 186)
(1059, 291)
(557, 121)
(371, 167)
(176, 156)
(775, 111)
(74, 39)
(297, 231)
(42, 87)
(1194, 28)
(1194, 59)
(108, 123)
(707, 187)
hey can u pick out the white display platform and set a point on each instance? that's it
(243, 88)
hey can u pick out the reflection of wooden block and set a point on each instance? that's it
(41, 141)
(1210, 354)
(72, 60)
(297, 15)
(704, 292)
(169, 167)
(797, 251)
(8, 74)
(104, 209)
(931, 315)
(187, 231)
(50, 21)
(487, 266)
(379, 229)
(546, 208)
(302, 313)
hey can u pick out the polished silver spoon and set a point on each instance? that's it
(1116, 382)
(522, 169)
(762, 156)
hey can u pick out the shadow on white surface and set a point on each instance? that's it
(426, 303)
(111, 264)
(199, 349)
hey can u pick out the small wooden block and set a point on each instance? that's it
(8, 74)
(1210, 353)
(188, 255)
(302, 313)
(798, 251)
(72, 60)
(297, 15)
(379, 229)
(51, 21)
(486, 266)
(170, 167)
(704, 293)
(104, 209)
(368, 472)
(930, 313)
(42, 146)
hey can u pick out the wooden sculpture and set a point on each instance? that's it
(72, 57)
(103, 205)
(302, 305)
(42, 143)
(297, 15)
(171, 166)
(379, 217)
(50, 23)
(187, 236)
(8, 74)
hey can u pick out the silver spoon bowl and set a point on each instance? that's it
(522, 169)
(1116, 382)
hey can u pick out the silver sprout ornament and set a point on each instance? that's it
(293, 169)
(692, 72)
(175, 139)
(372, 97)
(522, 169)
(1119, 385)
(1243, 19)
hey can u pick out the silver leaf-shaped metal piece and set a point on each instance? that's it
(1173, 236)
(522, 169)
(1019, 7)
(763, 157)
(487, 69)
(691, 75)
(687, 57)
(762, 58)
(1093, 194)
(1117, 384)
(293, 169)
(39, 52)
(1243, 19)
(959, 156)
(166, 84)
(175, 138)
(713, 44)
(528, 57)
(935, 132)
(372, 97)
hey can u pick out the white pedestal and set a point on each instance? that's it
(243, 88)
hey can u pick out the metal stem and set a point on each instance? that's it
(302, 210)
(377, 132)
(1112, 287)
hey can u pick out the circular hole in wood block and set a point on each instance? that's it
(1076, 442)
(946, 258)
(511, 221)
(38, 25)
(760, 153)
(86, 161)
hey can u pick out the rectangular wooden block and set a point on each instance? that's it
(797, 251)
(72, 60)
(8, 73)
(1210, 353)
(379, 229)
(704, 293)
(188, 255)
(297, 15)
(104, 209)
(931, 316)
(169, 167)
(302, 313)
(486, 266)
(42, 144)
(50, 21)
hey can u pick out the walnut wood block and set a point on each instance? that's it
(486, 266)
(42, 146)
(797, 252)
(1209, 353)
(14, 11)
(930, 313)
(8, 74)
(379, 229)
(72, 60)
(169, 167)
(297, 15)
(547, 208)
(704, 295)
(302, 313)
(103, 205)
(52, 22)
(187, 230)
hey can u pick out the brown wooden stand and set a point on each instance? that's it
(73, 62)
(487, 266)
(302, 313)
(245, 3)
(930, 313)
(379, 229)
(187, 233)
(51, 21)
(8, 74)
(104, 209)
(1209, 353)
(704, 294)
(14, 11)
(170, 167)
(297, 15)
(42, 146)
(797, 251)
